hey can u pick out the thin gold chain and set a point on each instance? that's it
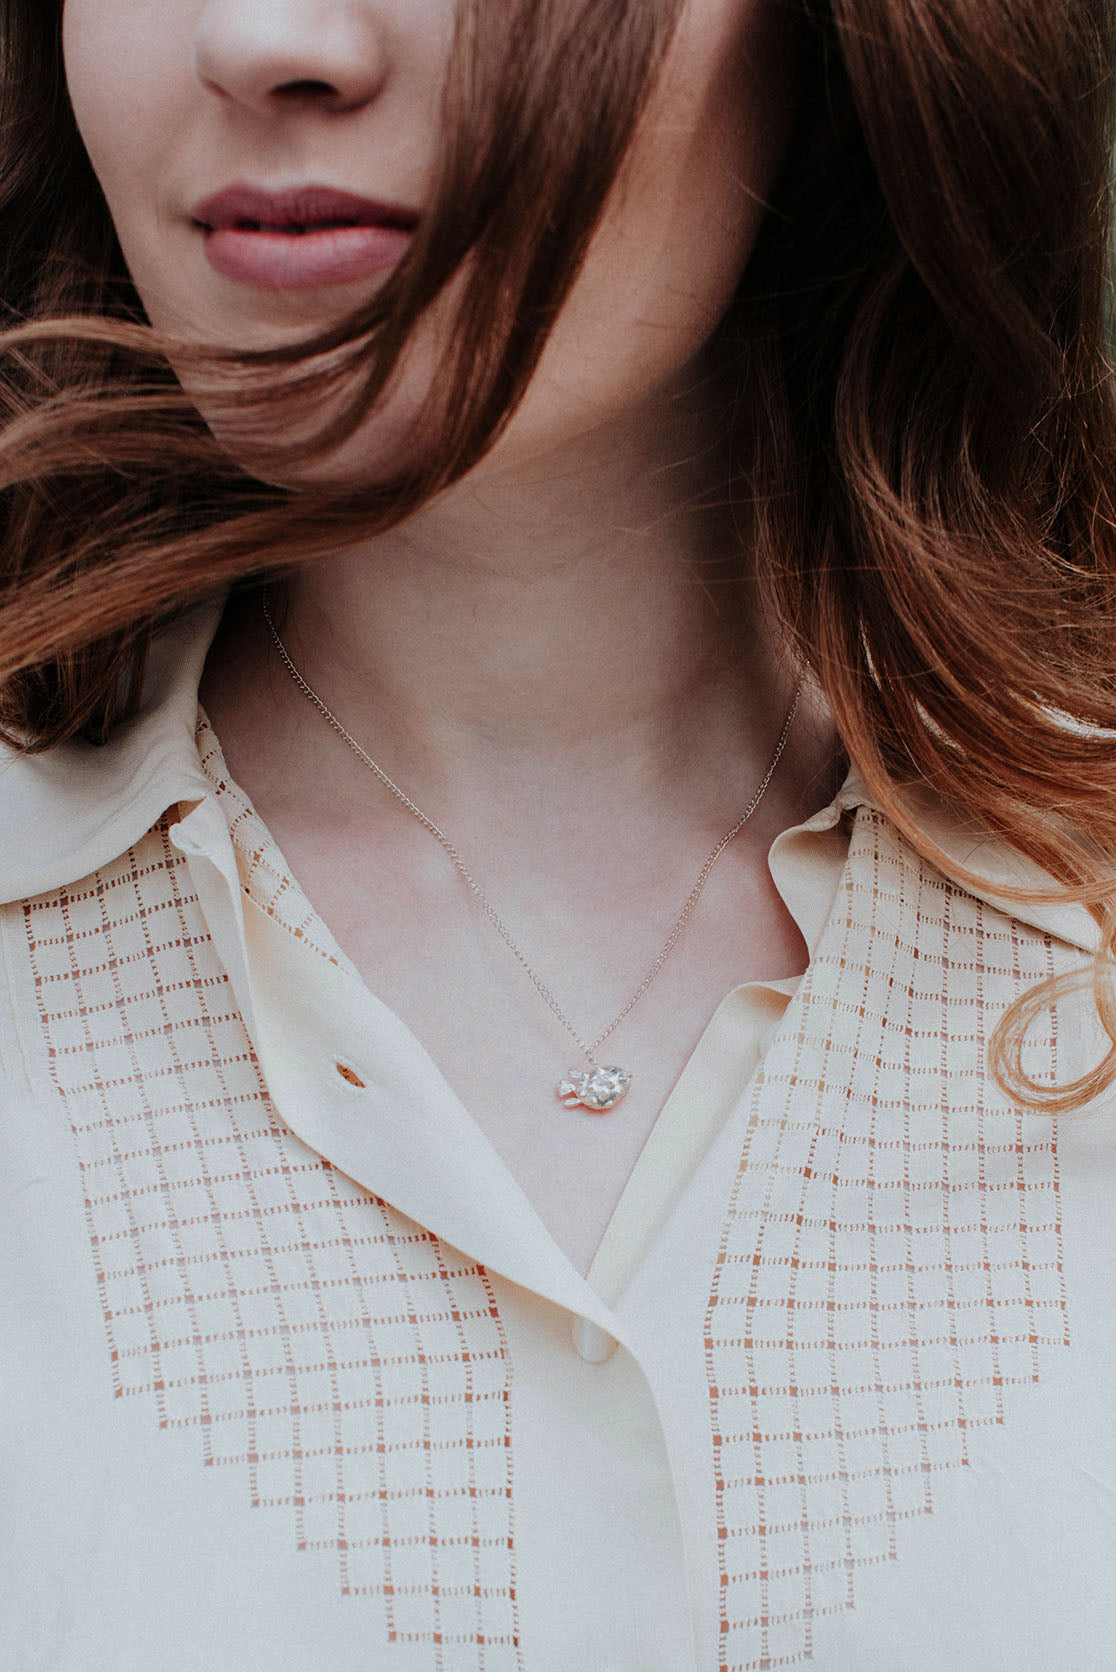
(589, 1051)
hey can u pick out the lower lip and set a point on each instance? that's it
(305, 260)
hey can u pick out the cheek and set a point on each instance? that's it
(669, 254)
(106, 80)
(123, 61)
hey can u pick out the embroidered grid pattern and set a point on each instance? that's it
(892, 1256)
(350, 1366)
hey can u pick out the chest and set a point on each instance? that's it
(427, 951)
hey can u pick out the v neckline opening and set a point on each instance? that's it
(719, 1070)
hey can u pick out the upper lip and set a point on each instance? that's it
(252, 207)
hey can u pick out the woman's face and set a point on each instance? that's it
(203, 115)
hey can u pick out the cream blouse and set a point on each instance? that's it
(293, 1376)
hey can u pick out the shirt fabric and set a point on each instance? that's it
(293, 1376)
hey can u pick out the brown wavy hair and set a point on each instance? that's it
(924, 433)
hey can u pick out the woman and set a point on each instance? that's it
(556, 440)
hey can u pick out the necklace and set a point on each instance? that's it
(601, 1086)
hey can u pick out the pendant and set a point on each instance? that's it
(595, 1089)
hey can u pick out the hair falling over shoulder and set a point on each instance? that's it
(924, 427)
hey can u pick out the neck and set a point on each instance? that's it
(585, 620)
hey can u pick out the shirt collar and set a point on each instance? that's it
(1000, 869)
(74, 809)
(66, 813)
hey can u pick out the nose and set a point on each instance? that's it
(270, 55)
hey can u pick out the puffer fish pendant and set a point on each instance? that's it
(595, 1089)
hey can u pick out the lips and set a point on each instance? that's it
(302, 238)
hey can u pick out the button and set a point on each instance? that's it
(183, 842)
(593, 1343)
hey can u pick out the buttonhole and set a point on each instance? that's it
(350, 1075)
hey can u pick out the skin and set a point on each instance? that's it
(560, 659)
